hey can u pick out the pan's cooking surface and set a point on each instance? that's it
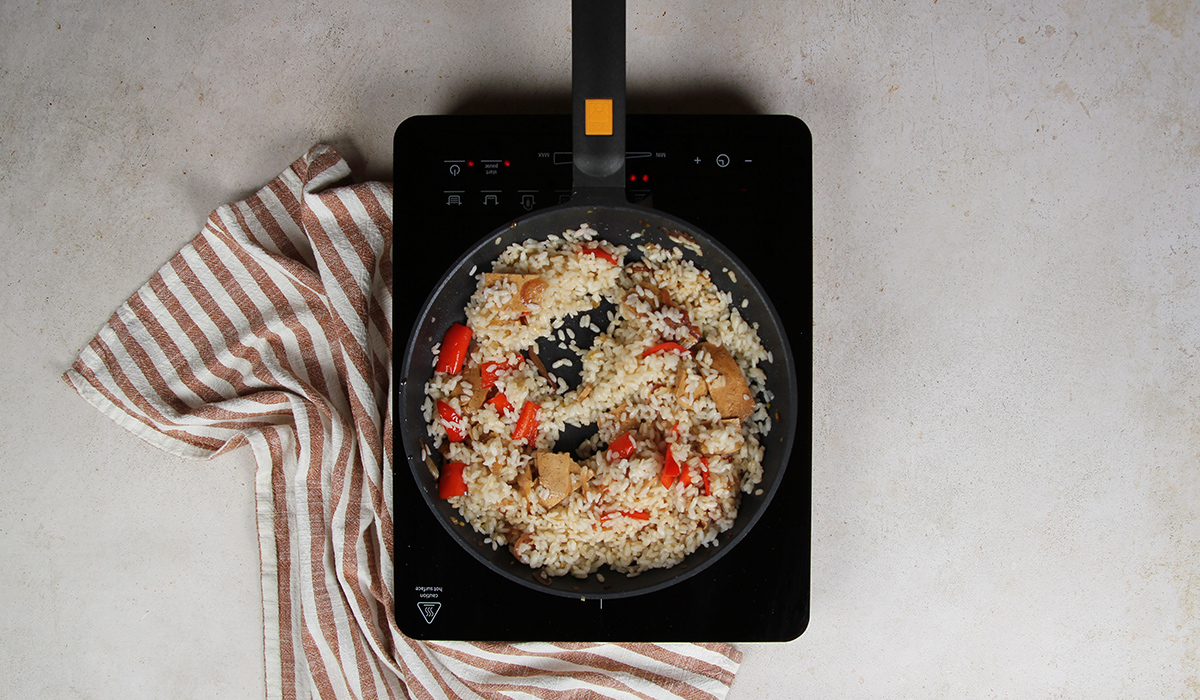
(747, 181)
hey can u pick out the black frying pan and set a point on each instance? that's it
(598, 199)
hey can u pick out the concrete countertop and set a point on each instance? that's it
(1006, 404)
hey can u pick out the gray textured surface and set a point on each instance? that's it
(1006, 412)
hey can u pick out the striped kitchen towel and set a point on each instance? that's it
(272, 329)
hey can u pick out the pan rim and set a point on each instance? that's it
(591, 206)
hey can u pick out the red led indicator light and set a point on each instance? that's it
(507, 163)
(645, 178)
(633, 178)
(470, 163)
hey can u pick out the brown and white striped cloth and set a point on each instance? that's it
(272, 328)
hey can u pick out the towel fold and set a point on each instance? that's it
(272, 329)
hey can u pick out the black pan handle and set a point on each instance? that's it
(598, 99)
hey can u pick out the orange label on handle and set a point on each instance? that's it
(598, 117)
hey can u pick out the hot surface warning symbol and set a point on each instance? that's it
(429, 610)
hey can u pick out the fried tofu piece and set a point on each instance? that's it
(529, 289)
(682, 380)
(730, 392)
(474, 376)
(580, 475)
(558, 477)
(472, 381)
(525, 481)
(619, 420)
(554, 477)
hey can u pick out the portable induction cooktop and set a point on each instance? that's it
(746, 180)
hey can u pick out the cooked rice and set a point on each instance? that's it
(652, 397)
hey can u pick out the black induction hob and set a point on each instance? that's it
(744, 179)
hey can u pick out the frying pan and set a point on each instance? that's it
(598, 199)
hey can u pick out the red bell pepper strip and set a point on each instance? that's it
(451, 483)
(527, 422)
(450, 421)
(454, 348)
(600, 253)
(670, 469)
(704, 474)
(501, 403)
(685, 474)
(664, 347)
(491, 370)
(622, 447)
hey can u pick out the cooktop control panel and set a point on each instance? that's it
(520, 182)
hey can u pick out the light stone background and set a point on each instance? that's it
(1005, 429)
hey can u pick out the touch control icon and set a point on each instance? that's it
(722, 160)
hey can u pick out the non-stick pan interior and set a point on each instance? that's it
(617, 224)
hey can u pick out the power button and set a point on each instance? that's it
(722, 160)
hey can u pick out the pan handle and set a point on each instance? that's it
(598, 98)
